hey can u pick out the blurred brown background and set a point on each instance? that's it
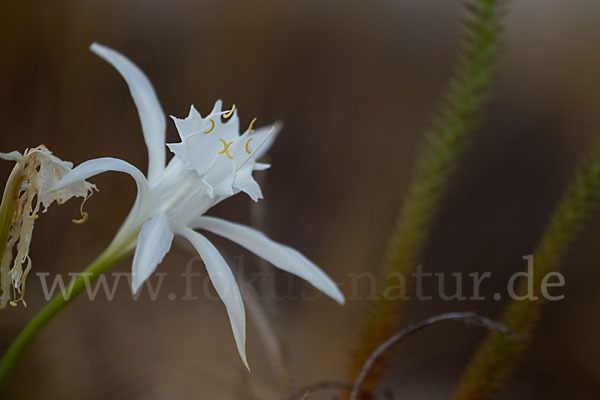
(354, 83)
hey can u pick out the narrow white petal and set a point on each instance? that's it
(279, 255)
(99, 165)
(151, 114)
(12, 156)
(266, 146)
(252, 145)
(154, 242)
(224, 282)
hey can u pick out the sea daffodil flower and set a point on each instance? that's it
(211, 163)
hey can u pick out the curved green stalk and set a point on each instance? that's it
(498, 355)
(457, 117)
(107, 259)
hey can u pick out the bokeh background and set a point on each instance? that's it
(354, 84)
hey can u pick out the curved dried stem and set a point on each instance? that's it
(466, 317)
(305, 392)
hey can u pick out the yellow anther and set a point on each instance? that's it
(230, 112)
(226, 148)
(15, 303)
(212, 126)
(247, 143)
(84, 215)
(82, 220)
(250, 128)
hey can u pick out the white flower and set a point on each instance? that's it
(36, 172)
(212, 163)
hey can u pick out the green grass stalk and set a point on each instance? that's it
(498, 355)
(457, 117)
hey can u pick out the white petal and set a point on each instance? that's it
(154, 241)
(12, 156)
(224, 282)
(99, 165)
(279, 255)
(151, 114)
(253, 145)
(246, 183)
(266, 146)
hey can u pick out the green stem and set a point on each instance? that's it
(498, 356)
(456, 119)
(107, 259)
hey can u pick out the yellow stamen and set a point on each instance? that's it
(15, 303)
(84, 217)
(250, 128)
(212, 126)
(230, 112)
(247, 143)
(226, 148)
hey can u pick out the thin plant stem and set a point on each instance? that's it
(107, 259)
(469, 318)
(456, 118)
(498, 355)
